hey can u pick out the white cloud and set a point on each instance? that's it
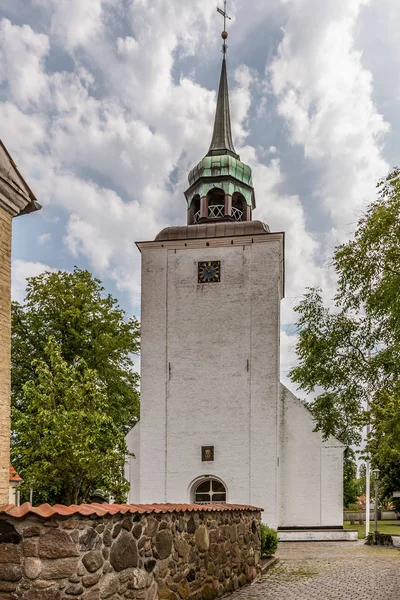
(325, 96)
(44, 238)
(288, 359)
(101, 142)
(76, 23)
(241, 101)
(21, 63)
(21, 270)
(130, 136)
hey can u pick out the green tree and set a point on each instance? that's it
(85, 322)
(384, 442)
(87, 327)
(350, 353)
(68, 444)
(361, 480)
(350, 482)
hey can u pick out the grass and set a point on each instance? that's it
(383, 527)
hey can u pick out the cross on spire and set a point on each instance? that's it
(224, 33)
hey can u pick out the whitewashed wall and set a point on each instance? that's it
(210, 376)
(210, 369)
(14, 494)
(311, 470)
(132, 465)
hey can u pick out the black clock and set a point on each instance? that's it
(209, 271)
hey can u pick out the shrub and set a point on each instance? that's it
(269, 540)
(379, 539)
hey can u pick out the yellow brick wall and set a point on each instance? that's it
(5, 352)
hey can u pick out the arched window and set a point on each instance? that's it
(210, 491)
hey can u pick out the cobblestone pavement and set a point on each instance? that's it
(329, 571)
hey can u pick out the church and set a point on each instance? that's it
(216, 424)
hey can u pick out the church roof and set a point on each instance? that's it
(16, 196)
(222, 134)
(14, 475)
(221, 167)
(217, 229)
(222, 164)
(220, 177)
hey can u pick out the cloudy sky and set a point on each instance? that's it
(105, 105)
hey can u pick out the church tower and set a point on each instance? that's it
(216, 424)
(211, 293)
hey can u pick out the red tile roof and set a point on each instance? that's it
(86, 510)
(14, 475)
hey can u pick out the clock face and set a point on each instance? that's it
(209, 271)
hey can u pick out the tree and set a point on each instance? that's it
(362, 479)
(384, 442)
(92, 339)
(350, 482)
(332, 355)
(84, 322)
(350, 353)
(68, 444)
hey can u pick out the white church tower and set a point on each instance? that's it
(216, 425)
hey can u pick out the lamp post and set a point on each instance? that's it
(376, 477)
(367, 493)
(368, 468)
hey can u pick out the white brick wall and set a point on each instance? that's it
(132, 465)
(311, 471)
(210, 370)
(210, 376)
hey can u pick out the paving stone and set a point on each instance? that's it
(328, 571)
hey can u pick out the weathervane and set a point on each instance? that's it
(224, 34)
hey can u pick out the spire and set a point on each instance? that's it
(222, 134)
(220, 185)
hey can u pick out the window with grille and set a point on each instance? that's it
(210, 491)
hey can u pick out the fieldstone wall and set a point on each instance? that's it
(186, 554)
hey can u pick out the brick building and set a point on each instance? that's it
(16, 198)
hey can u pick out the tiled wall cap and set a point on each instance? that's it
(46, 511)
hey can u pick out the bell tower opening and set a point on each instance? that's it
(238, 207)
(195, 210)
(216, 203)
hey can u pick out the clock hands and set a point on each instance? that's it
(209, 271)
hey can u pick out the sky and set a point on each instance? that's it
(106, 105)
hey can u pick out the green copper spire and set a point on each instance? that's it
(222, 134)
(221, 186)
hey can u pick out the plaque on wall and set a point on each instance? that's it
(207, 453)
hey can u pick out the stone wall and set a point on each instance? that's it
(141, 552)
(5, 352)
(356, 515)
